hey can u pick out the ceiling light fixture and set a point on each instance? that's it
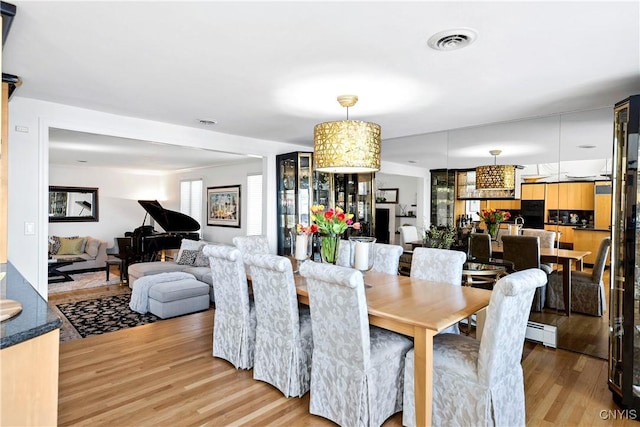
(453, 39)
(347, 146)
(496, 177)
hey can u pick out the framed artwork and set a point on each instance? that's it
(387, 195)
(223, 206)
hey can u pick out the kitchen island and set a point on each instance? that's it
(29, 354)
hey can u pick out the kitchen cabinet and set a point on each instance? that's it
(624, 311)
(602, 205)
(566, 232)
(294, 198)
(503, 205)
(569, 196)
(533, 191)
(585, 239)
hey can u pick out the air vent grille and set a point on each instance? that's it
(452, 39)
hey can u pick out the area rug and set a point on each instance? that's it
(93, 279)
(102, 315)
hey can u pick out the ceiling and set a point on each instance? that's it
(272, 70)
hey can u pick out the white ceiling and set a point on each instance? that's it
(272, 70)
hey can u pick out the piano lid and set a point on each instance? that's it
(170, 221)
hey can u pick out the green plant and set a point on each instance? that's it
(440, 237)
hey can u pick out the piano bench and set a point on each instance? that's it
(185, 296)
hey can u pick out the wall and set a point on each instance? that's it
(118, 195)
(29, 123)
(219, 176)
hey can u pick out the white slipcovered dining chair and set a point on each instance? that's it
(480, 382)
(283, 334)
(234, 325)
(357, 370)
(439, 265)
(252, 244)
(587, 289)
(386, 258)
(408, 233)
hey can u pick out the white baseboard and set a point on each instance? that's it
(542, 333)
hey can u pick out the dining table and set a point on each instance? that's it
(565, 257)
(419, 309)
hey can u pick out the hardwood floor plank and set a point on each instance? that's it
(163, 374)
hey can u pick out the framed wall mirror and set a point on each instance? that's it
(73, 204)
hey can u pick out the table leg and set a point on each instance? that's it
(423, 375)
(566, 285)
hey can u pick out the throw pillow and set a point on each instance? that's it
(192, 245)
(70, 246)
(54, 245)
(91, 247)
(201, 260)
(188, 257)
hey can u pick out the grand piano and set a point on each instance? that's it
(147, 242)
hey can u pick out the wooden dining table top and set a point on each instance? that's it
(414, 302)
(550, 252)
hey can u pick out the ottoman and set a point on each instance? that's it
(170, 299)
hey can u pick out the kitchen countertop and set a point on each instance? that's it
(591, 229)
(36, 317)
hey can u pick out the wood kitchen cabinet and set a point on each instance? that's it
(602, 205)
(589, 240)
(566, 232)
(503, 205)
(533, 191)
(569, 196)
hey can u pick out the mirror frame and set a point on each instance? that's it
(93, 217)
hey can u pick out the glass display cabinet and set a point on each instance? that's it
(624, 310)
(295, 196)
(354, 194)
(443, 183)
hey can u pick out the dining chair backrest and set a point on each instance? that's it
(234, 328)
(440, 265)
(480, 245)
(344, 253)
(601, 260)
(386, 258)
(523, 251)
(339, 319)
(252, 244)
(408, 233)
(506, 325)
(547, 237)
(279, 349)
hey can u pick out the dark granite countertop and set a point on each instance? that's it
(591, 229)
(36, 317)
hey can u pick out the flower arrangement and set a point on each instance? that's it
(332, 221)
(494, 216)
(492, 219)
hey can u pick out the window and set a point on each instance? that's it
(191, 199)
(254, 205)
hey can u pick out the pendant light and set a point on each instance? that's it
(346, 146)
(496, 177)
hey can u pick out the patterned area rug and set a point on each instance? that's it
(101, 315)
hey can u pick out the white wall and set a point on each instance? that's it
(29, 167)
(118, 195)
(235, 174)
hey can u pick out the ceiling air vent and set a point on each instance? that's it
(452, 39)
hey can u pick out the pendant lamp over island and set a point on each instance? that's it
(347, 146)
(496, 177)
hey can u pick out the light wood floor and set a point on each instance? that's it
(163, 374)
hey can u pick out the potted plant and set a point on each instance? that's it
(439, 237)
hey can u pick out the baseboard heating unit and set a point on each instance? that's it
(545, 334)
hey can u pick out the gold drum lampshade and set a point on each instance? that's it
(496, 177)
(347, 146)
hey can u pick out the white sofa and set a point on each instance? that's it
(199, 267)
(92, 251)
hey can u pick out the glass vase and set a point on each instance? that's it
(329, 244)
(492, 229)
(362, 254)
